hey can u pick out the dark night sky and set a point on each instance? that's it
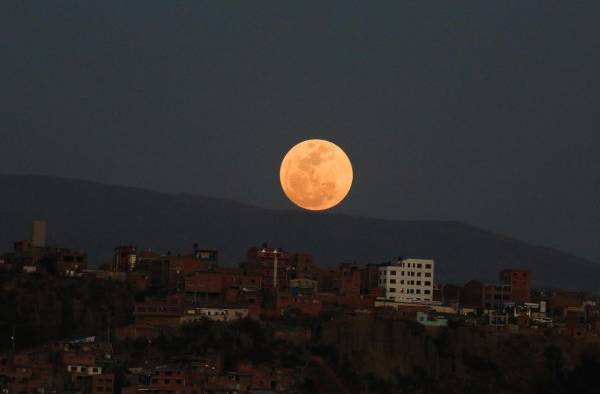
(483, 112)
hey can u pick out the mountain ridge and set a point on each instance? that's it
(96, 217)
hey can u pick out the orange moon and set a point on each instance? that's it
(316, 174)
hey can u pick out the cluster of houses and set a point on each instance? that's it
(82, 366)
(271, 284)
(89, 366)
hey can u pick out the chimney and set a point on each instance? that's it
(38, 236)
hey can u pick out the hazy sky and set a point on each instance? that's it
(483, 112)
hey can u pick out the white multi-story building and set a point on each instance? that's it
(407, 280)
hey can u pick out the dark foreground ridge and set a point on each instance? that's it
(96, 217)
(341, 351)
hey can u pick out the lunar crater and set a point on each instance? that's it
(316, 174)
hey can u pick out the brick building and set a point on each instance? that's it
(157, 269)
(495, 296)
(159, 311)
(262, 262)
(520, 282)
(472, 294)
(347, 281)
(369, 278)
(306, 305)
(302, 266)
(124, 258)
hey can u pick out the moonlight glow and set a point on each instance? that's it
(316, 174)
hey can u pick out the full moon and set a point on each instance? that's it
(316, 174)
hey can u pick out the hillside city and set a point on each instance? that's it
(164, 322)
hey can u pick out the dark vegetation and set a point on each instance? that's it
(39, 308)
(386, 355)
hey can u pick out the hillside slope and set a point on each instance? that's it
(96, 217)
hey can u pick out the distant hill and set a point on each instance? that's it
(96, 217)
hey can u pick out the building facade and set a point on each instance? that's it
(408, 280)
(520, 282)
(495, 296)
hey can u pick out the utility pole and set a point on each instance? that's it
(108, 328)
(275, 252)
